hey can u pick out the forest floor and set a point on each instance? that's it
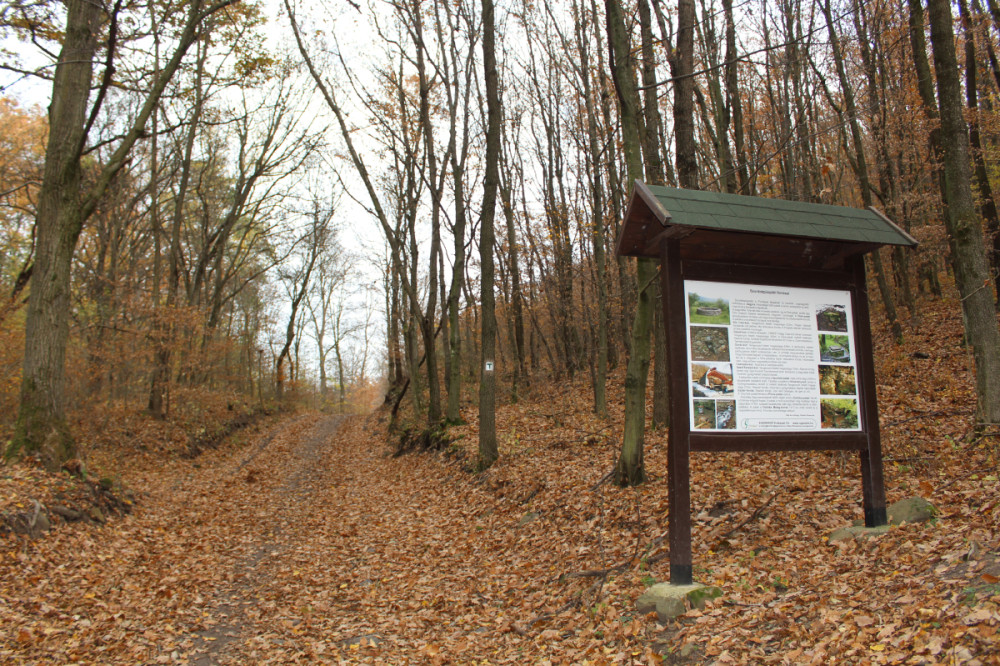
(303, 539)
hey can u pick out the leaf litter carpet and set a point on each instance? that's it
(310, 543)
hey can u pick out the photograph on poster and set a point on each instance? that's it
(704, 414)
(834, 348)
(711, 380)
(709, 343)
(832, 318)
(839, 413)
(703, 309)
(837, 380)
(725, 415)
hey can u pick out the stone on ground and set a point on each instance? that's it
(856, 532)
(911, 510)
(670, 601)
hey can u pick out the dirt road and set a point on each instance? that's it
(307, 543)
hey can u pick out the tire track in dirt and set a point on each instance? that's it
(298, 481)
(389, 558)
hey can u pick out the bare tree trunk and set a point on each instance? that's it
(516, 300)
(734, 102)
(654, 175)
(427, 321)
(987, 205)
(630, 469)
(158, 383)
(683, 66)
(488, 452)
(316, 241)
(964, 226)
(860, 164)
(41, 423)
(597, 217)
(63, 207)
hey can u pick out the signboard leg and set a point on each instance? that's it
(872, 486)
(679, 528)
(872, 483)
(679, 444)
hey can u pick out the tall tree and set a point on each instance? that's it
(987, 204)
(315, 240)
(965, 231)
(597, 200)
(66, 201)
(859, 162)
(629, 469)
(488, 451)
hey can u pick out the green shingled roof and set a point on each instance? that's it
(734, 212)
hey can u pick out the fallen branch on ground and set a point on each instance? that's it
(716, 539)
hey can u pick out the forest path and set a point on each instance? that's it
(306, 541)
(343, 550)
(299, 477)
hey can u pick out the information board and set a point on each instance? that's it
(770, 359)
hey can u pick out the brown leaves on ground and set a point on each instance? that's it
(307, 542)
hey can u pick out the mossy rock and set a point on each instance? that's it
(856, 532)
(911, 510)
(670, 601)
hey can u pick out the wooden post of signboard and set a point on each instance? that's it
(872, 484)
(679, 431)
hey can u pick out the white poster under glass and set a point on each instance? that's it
(770, 359)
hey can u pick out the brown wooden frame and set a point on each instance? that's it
(849, 276)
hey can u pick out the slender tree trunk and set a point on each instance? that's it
(516, 306)
(597, 218)
(341, 382)
(734, 102)
(630, 469)
(687, 164)
(63, 207)
(987, 205)
(428, 319)
(488, 451)
(158, 382)
(654, 175)
(964, 226)
(860, 164)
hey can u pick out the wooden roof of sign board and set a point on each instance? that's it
(734, 227)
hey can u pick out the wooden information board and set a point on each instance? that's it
(769, 342)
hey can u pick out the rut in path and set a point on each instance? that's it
(302, 480)
(355, 551)
(363, 556)
(305, 543)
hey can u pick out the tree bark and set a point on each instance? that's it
(860, 164)
(963, 223)
(64, 206)
(987, 205)
(41, 423)
(630, 469)
(596, 216)
(488, 451)
(655, 175)
(686, 159)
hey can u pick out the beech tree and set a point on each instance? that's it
(965, 231)
(487, 384)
